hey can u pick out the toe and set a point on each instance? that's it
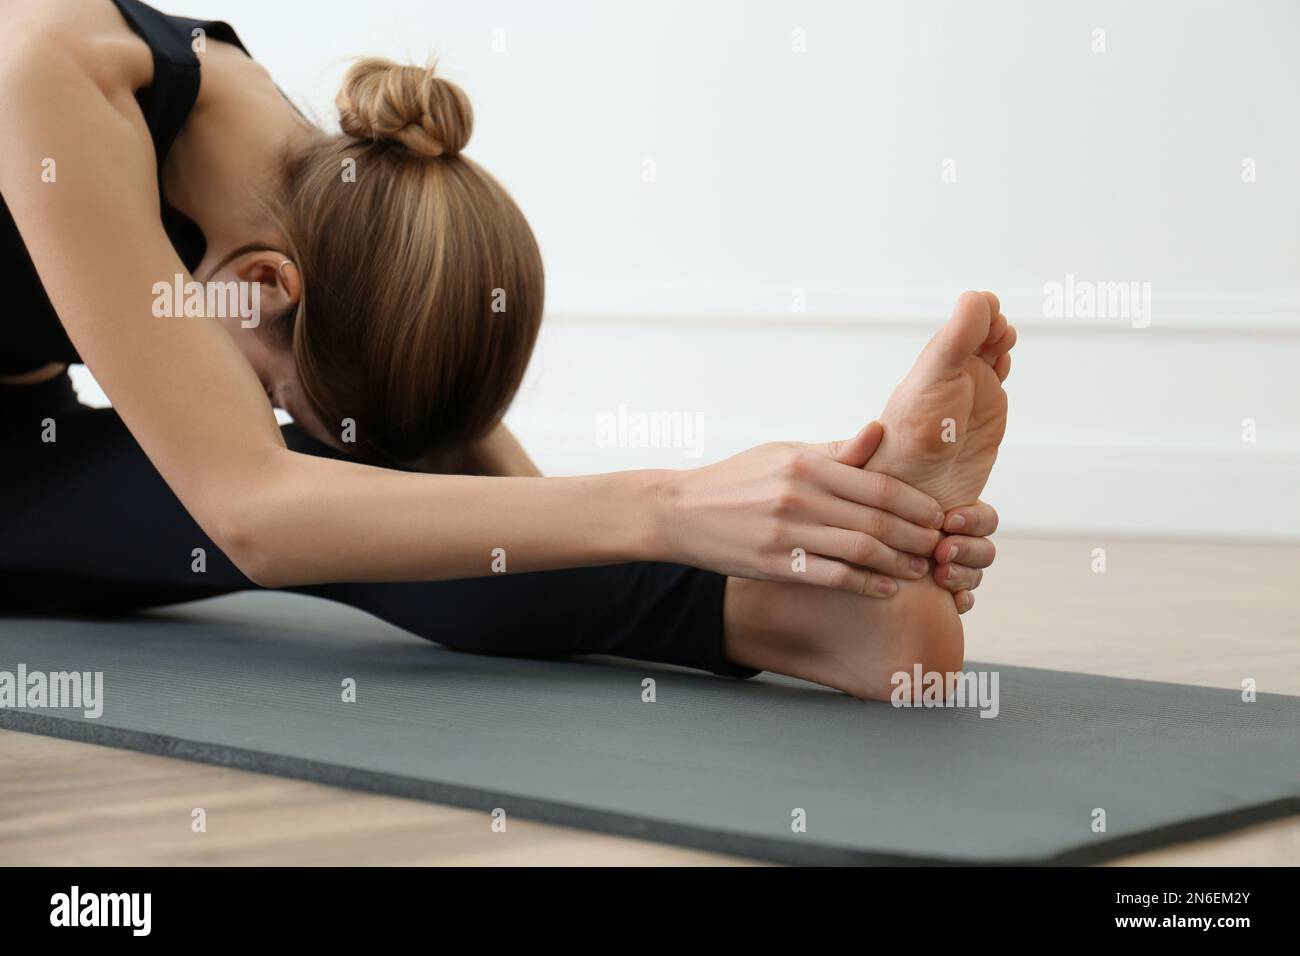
(962, 335)
(1008, 340)
(1001, 345)
(997, 329)
(1003, 366)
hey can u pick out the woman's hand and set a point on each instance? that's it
(803, 513)
(964, 551)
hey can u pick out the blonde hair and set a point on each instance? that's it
(422, 282)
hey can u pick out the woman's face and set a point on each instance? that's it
(273, 362)
(267, 348)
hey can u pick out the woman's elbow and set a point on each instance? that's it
(245, 542)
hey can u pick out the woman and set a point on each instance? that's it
(398, 296)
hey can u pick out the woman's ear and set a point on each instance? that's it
(277, 276)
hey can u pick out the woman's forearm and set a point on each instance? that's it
(315, 520)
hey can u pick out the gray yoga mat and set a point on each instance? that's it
(255, 681)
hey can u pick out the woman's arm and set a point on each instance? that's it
(198, 411)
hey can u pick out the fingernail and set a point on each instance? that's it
(919, 565)
(886, 586)
(957, 522)
(937, 520)
(952, 554)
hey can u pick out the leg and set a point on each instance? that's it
(90, 527)
(86, 528)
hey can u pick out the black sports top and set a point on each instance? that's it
(31, 334)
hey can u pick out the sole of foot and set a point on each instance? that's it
(944, 422)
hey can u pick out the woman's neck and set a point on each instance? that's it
(230, 151)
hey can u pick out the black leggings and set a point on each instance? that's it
(87, 526)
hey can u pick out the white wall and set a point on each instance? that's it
(821, 170)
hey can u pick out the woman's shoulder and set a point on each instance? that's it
(94, 35)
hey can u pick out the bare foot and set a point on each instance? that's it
(943, 425)
(945, 420)
(851, 643)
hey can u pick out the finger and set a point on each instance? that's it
(889, 528)
(964, 601)
(855, 451)
(864, 551)
(994, 302)
(954, 577)
(977, 520)
(878, 490)
(844, 577)
(966, 551)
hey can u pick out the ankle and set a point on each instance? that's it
(753, 634)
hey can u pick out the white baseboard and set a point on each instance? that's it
(1173, 310)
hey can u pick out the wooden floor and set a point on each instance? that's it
(1209, 614)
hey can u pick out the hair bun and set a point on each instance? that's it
(381, 99)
